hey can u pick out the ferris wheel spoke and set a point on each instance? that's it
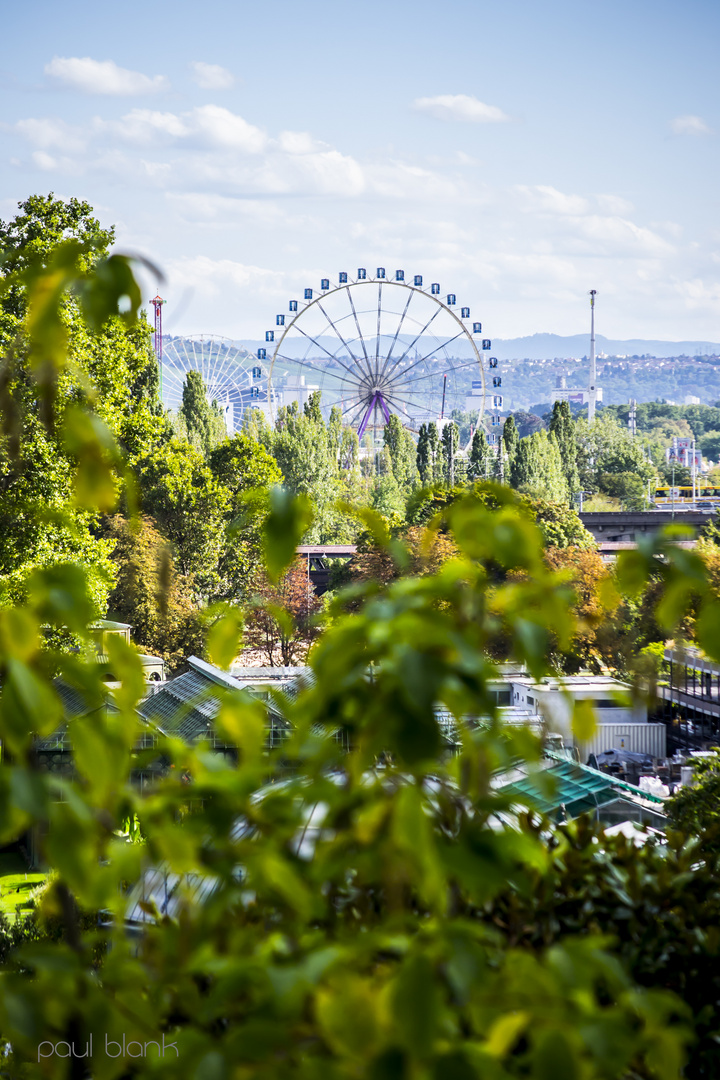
(428, 355)
(224, 380)
(313, 367)
(413, 403)
(319, 346)
(397, 334)
(342, 339)
(414, 342)
(377, 335)
(432, 374)
(353, 405)
(212, 376)
(360, 333)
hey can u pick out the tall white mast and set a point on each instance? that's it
(592, 394)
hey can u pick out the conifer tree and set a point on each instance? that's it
(562, 426)
(204, 422)
(434, 454)
(510, 438)
(479, 457)
(450, 440)
(401, 448)
(423, 456)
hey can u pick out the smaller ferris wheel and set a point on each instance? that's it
(378, 344)
(233, 378)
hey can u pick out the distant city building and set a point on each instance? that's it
(681, 453)
(294, 389)
(690, 399)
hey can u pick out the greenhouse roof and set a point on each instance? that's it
(565, 784)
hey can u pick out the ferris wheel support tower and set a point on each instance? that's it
(157, 302)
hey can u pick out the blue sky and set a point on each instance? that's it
(518, 152)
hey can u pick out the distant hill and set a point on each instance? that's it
(547, 347)
(551, 346)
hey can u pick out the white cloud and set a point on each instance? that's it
(614, 204)
(689, 125)
(211, 76)
(102, 77)
(549, 200)
(48, 133)
(299, 142)
(44, 161)
(221, 128)
(143, 126)
(461, 107)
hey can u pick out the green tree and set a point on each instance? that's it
(246, 472)
(385, 495)
(401, 447)
(203, 420)
(537, 468)
(695, 809)
(479, 456)
(510, 439)
(450, 444)
(436, 463)
(189, 505)
(360, 921)
(605, 448)
(107, 366)
(424, 466)
(562, 426)
(150, 595)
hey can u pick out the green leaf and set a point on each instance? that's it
(61, 597)
(348, 1017)
(243, 723)
(100, 761)
(707, 628)
(128, 671)
(29, 702)
(632, 570)
(505, 1032)
(224, 637)
(554, 1057)
(289, 519)
(584, 721)
(415, 1006)
(20, 633)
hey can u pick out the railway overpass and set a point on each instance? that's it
(614, 531)
(628, 526)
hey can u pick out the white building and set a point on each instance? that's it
(621, 723)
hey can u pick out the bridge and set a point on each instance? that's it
(320, 558)
(617, 527)
(615, 531)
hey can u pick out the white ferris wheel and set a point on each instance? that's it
(378, 344)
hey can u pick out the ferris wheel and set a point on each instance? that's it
(233, 378)
(377, 344)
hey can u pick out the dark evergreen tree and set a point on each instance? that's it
(479, 457)
(510, 438)
(204, 422)
(434, 454)
(562, 426)
(424, 465)
(401, 447)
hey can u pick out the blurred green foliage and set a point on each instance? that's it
(349, 931)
